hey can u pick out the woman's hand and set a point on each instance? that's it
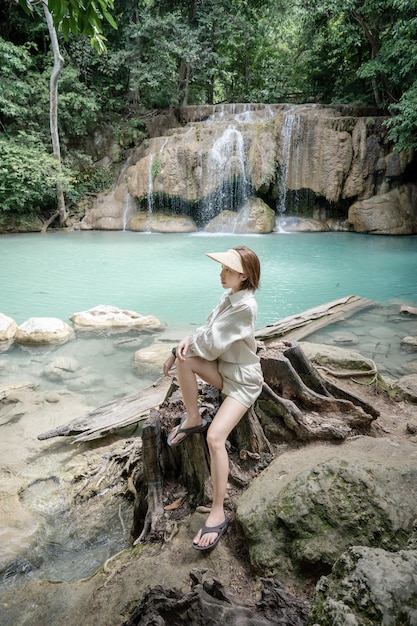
(180, 354)
(182, 348)
(168, 365)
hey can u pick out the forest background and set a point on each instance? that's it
(145, 56)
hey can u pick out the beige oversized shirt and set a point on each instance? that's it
(228, 337)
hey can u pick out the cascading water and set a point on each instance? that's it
(150, 187)
(226, 173)
(290, 131)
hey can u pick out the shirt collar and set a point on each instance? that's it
(239, 296)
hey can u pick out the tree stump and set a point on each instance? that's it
(296, 405)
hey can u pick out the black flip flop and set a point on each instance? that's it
(187, 432)
(205, 530)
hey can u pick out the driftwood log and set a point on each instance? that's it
(297, 404)
(209, 602)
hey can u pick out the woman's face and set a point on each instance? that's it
(231, 279)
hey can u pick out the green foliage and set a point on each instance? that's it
(14, 64)
(404, 125)
(28, 175)
(165, 54)
(79, 16)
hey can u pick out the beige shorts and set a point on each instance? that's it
(242, 382)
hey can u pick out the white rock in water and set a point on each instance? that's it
(106, 316)
(43, 330)
(8, 328)
(409, 341)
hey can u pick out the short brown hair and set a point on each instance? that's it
(251, 266)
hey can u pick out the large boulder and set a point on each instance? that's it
(161, 223)
(392, 213)
(111, 210)
(311, 504)
(110, 317)
(43, 330)
(256, 217)
(368, 586)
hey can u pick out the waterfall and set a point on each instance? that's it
(226, 173)
(289, 133)
(129, 208)
(150, 188)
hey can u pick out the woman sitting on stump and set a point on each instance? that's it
(223, 354)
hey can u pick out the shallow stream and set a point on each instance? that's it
(58, 274)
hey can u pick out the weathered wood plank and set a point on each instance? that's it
(114, 415)
(296, 327)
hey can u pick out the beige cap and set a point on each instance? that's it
(231, 259)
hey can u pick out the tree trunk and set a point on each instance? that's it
(53, 115)
(296, 405)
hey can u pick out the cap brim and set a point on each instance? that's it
(231, 259)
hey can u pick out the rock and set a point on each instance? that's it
(336, 358)
(111, 210)
(406, 388)
(337, 153)
(224, 222)
(8, 328)
(337, 226)
(368, 586)
(410, 342)
(392, 213)
(151, 358)
(106, 316)
(43, 330)
(161, 223)
(408, 310)
(310, 505)
(62, 368)
(299, 225)
(256, 217)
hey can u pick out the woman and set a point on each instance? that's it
(222, 353)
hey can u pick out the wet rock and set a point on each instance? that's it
(368, 586)
(409, 342)
(256, 217)
(408, 310)
(62, 368)
(110, 317)
(308, 506)
(161, 223)
(8, 328)
(406, 388)
(43, 330)
(335, 357)
(300, 225)
(150, 359)
(391, 213)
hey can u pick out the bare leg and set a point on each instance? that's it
(227, 417)
(186, 374)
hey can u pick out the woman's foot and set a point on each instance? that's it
(180, 433)
(211, 532)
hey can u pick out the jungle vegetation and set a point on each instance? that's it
(123, 60)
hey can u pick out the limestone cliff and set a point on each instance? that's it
(307, 160)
